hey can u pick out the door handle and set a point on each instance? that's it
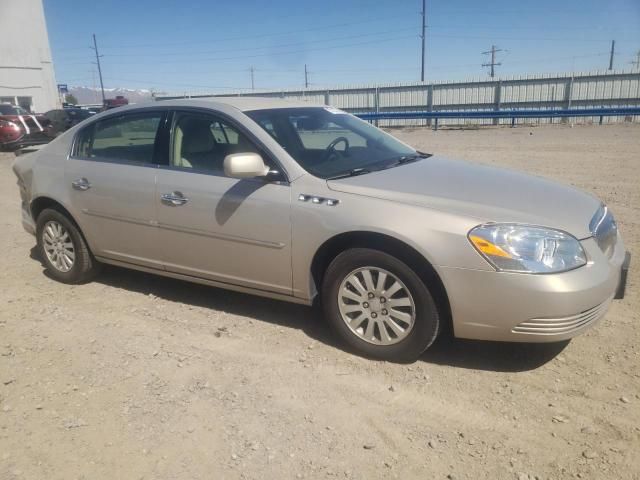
(174, 199)
(81, 184)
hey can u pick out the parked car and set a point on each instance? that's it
(64, 118)
(19, 128)
(294, 202)
(119, 101)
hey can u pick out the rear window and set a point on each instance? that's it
(126, 138)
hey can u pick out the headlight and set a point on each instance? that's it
(527, 249)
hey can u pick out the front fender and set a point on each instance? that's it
(441, 238)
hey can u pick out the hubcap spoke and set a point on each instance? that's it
(374, 313)
(405, 317)
(397, 329)
(395, 286)
(382, 331)
(368, 280)
(357, 284)
(368, 333)
(382, 279)
(356, 322)
(400, 302)
(346, 293)
(351, 308)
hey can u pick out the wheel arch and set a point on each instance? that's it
(390, 245)
(43, 202)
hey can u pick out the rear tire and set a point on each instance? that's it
(62, 248)
(379, 306)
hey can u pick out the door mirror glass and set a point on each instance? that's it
(245, 165)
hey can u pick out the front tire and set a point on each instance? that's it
(379, 306)
(62, 248)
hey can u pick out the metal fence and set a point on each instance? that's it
(611, 89)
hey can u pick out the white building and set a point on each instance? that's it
(26, 68)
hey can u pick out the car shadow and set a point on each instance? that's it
(447, 351)
(231, 200)
(491, 356)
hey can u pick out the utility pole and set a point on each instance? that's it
(93, 84)
(613, 52)
(252, 83)
(95, 47)
(493, 62)
(306, 76)
(636, 62)
(424, 30)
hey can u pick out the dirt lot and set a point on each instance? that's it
(134, 376)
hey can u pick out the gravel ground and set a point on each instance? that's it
(134, 376)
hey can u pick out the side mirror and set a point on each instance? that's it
(244, 165)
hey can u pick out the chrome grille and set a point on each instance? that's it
(561, 325)
(605, 230)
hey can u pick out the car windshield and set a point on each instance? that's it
(7, 109)
(328, 142)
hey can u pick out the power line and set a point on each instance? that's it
(272, 54)
(437, 68)
(262, 35)
(493, 62)
(267, 54)
(263, 47)
(529, 39)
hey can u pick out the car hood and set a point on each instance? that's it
(489, 194)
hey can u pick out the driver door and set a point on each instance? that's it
(236, 231)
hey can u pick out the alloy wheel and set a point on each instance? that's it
(376, 306)
(58, 246)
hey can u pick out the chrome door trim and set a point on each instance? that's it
(197, 171)
(229, 238)
(150, 223)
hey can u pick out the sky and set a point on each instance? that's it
(199, 46)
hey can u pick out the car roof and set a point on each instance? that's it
(243, 104)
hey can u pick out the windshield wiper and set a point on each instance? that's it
(407, 159)
(351, 173)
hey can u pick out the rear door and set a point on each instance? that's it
(111, 176)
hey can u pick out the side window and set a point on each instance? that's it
(201, 142)
(127, 138)
(267, 124)
(82, 148)
(224, 134)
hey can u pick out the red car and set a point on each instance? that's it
(119, 101)
(19, 128)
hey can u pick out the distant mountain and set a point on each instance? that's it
(93, 95)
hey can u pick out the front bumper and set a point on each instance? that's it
(515, 307)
